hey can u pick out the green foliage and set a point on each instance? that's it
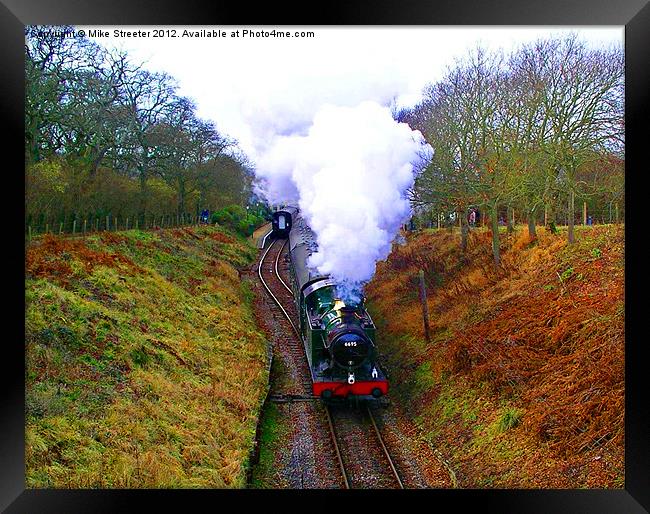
(510, 418)
(272, 433)
(140, 356)
(423, 378)
(566, 274)
(238, 219)
(229, 215)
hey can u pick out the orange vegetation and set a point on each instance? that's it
(221, 237)
(53, 257)
(523, 382)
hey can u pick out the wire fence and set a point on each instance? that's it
(583, 215)
(39, 225)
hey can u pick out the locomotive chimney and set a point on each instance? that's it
(347, 313)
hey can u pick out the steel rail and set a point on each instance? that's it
(336, 448)
(381, 441)
(344, 474)
(277, 273)
(268, 289)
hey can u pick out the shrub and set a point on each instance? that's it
(236, 218)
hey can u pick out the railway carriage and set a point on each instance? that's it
(282, 222)
(339, 338)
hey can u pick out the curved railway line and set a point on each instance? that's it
(363, 458)
(277, 288)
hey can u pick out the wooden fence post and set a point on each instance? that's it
(584, 213)
(425, 307)
(616, 205)
(137, 219)
(29, 232)
(47, 228)
(74, 227)
(60, 228)
(85, 227)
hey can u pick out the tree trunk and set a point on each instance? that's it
(32, 150)
(144, 175)
(571, 208)
(143, 192)
(494, 215)
(464, 230)
(549, 210)
(97, 161)
(181, 196)
(201, 204)
(509, 216)
(550, 213)
(532, 230)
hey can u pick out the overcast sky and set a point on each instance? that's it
(254, 88)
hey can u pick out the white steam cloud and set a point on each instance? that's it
(349, 176)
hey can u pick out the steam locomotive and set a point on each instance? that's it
(339, 338)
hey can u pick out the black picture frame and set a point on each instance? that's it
(633, 14)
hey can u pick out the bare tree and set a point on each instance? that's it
(583, 92)
(146, 96)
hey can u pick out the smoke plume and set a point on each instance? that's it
(349, 176)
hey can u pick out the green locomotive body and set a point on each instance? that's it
(339, 339)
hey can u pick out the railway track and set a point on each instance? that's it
(364, 459)
(362, 456)
(282, 295)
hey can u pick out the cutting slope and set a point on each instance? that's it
(523, 383)
(144, 364)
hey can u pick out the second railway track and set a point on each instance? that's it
(282, 296)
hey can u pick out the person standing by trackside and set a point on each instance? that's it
(472, 217)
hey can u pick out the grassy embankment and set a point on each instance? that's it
(144, 364)
(523, 383)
